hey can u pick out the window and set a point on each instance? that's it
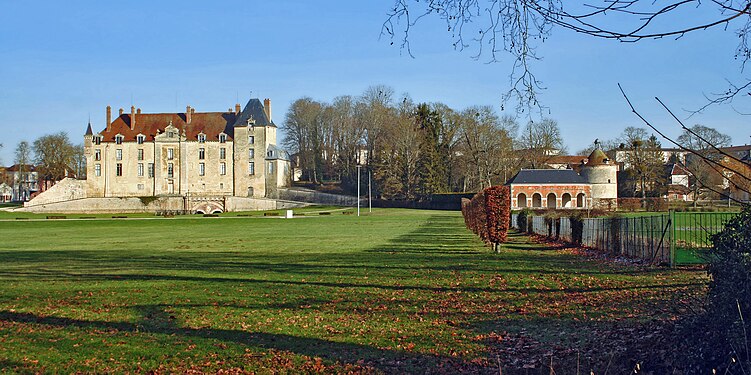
(170, 170)
(271, 167)
(119, 170)
(140, 138)
(140, 169)
(170, 153)
(140, 154)
(119, 154)
(222, 169)
(251, 168)
(170, 134)
(140, 186)
(97, 170)
(97, 155)
(222, 153)
(151, 170)
(251, 153)
(119, 139)
(202, 138)
(222, 138)
(270, 154)
(201, 153)
(251, 139)
(201, 169)
(98, 140)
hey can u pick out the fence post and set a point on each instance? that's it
(671, 222)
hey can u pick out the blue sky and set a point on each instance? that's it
(61, 62)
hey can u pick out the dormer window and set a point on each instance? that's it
(97, 139)
(270, 153)
(202, 138)
(119, 139)
(170, 134)
(140, 139)
(222, 138)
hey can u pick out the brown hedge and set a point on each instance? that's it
(488, 214)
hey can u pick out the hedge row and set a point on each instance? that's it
(488, 214)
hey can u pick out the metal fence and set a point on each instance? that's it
(670, 238)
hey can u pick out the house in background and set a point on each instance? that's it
(595, 185)
(6, 193)
(24, 180)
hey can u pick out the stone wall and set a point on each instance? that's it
(66, 190)
(109, 205)
(258, 204)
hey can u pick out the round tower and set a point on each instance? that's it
(602, 174)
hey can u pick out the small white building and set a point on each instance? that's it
(6, 192)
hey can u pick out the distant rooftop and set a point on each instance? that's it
(547, 176)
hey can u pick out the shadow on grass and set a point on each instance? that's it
(158, 321)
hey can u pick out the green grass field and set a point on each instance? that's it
(395, 291)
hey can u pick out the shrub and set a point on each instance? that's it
(729, 297)
(577, 228)
(497, 212)
(615, 234)
(488, 214)
(521, 219)
(629, 204)
(657, 204)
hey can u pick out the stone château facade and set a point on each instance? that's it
(191, 154)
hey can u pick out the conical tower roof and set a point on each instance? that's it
(598, 157)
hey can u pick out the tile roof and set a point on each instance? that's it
(211, 124)
(17, 167)
(567, 159)
(598, 157)
(547, 176)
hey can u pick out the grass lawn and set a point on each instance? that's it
(395, 291)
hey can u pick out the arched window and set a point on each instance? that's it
(521, 200)
(580, 200)
(551, 200)
(536, 200)
(566, 200)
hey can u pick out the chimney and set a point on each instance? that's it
(138, 111)
(267, 107)
(132, 117)
(237, 108)
(109, 117)
(188, 113)
(121, 111)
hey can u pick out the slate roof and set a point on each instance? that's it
(546, 176)
(273, 153)
(254, 109)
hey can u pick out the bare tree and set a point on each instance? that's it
(55, 156)
(703, 140)
(539, 141)
(486, 148)
(22, 160)
(516, 28)
(303, 136)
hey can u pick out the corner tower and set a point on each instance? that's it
(602, 174)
